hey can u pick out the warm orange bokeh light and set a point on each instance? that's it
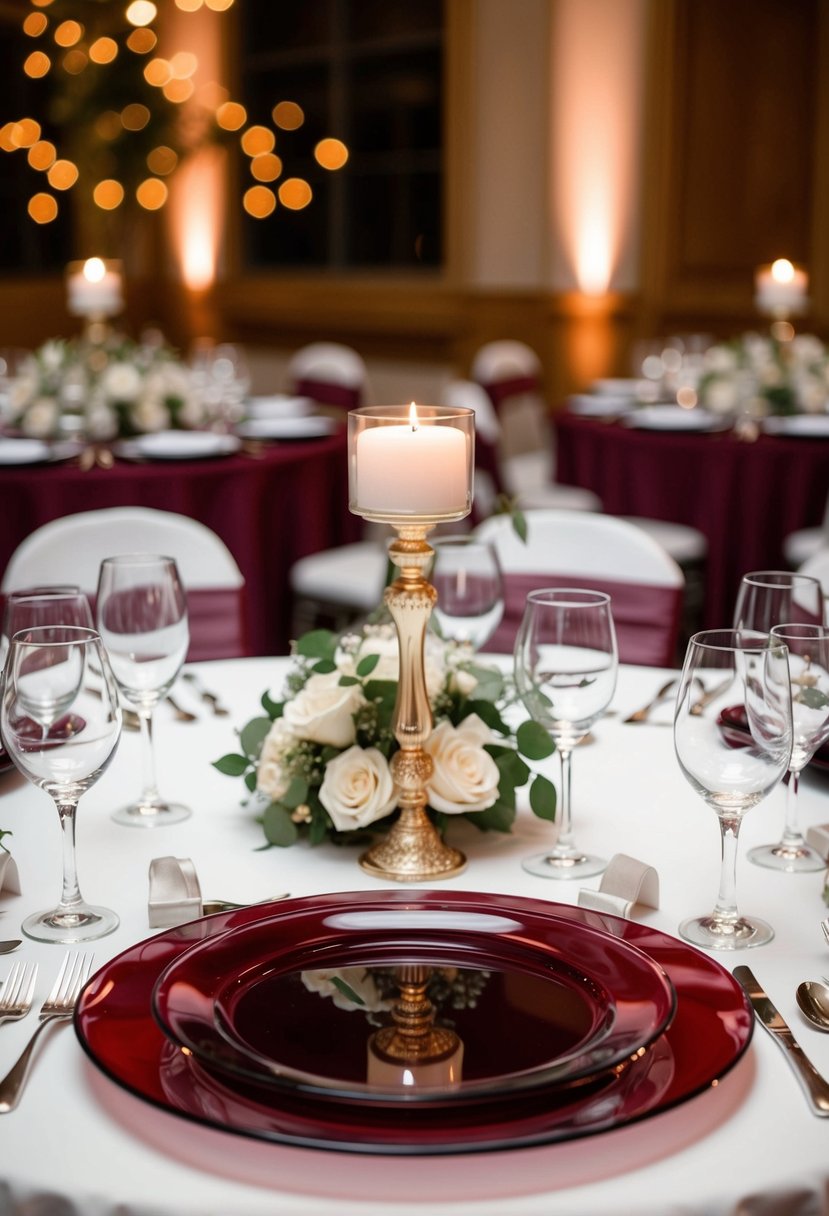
(294, 193)
(142, 41)
(108, 125)
(108, 194)
(288, 115)
(231, 116)
(219, 6)
(42, 155)
(43, 208)
(141, 12)
(266, 168)
(103, 50)
(135, 116)
(41, 3)
(8, 137)
(178, 90)
(782, 271)
(35, 24)
(257, 140)
(259, 202)
(152, 194)
(37, 64)
(157, 73)
(68, 33)
(75, 61)
(62, 175)
(162, 160)
(189, 6)
(183, 64)
(331, 153)
(26, 132)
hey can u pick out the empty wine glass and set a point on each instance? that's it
(58, 604)
(142, 618)
(566, 662)
(61, 737)
(808, 647)
(732, 770)
(777, 597)
(467, 577)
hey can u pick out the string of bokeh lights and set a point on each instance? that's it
(64, 46)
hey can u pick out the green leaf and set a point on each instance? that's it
(543, 798)
(278, 826)
(812, 698)
(512, 768)
(296, 794)
(5, 832)
(250, 780)
(344, 681)
(347, 991)
(519, 524)
(324, 667)
(488, 713)
(366, 665)
(252, 736)
(232, 765)
(489, 685)
(496, 818)
(317, 644)
(533, 741)
(384, 691)
(272, 708)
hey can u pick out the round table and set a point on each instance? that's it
(746, 497)
(270, 503)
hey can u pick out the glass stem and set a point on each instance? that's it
(792, 837)
(70, 898)
(150, 797)
(564, 845)
(726, 907)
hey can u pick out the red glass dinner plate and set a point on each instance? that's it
(710, 1031)
(296, 1000)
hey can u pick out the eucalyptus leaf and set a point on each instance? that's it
(250, 780)
(252, 736)
(296, 793)
(324, 667)
(317, 644)
(278, 826)
(812, 698)
(272, 708)
(533, 741)
(232, 765)
(367, 664)
(496, 818)
(543, 798)
(346, 990)
(512, 768)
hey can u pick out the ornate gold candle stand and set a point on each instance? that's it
(413, 1051)
(435, 485)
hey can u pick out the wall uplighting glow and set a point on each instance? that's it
(196, 209)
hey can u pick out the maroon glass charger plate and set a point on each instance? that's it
(710, 1030)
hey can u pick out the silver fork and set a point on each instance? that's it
(179, 712)
(19, 989)
(58, 1006)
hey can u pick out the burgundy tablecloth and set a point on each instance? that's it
(745, 497)
(269, 509)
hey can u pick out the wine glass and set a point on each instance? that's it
(467, 577)
(732, 770)
(142, 618)
(777, 597)
(58, 604)
(808, 647)
(566, 662)
(61, 737)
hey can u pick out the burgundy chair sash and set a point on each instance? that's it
(646, 616)
(326, 393)
(500, 390)
(218, 623)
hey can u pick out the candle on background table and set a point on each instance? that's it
(417, 468)
(94, 288)
(781, 288)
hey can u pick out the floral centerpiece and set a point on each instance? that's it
(102, 391)
(317, 760)
(374, 990)
(759, 375)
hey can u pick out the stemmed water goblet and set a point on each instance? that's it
(732, 771)
(467, 577)
(61, 737)
(566, 663)
(808, 647)
(142, 618)
(58, 604)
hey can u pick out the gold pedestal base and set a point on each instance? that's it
(413, 852)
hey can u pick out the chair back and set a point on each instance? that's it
(598, 553)
(818, 567)
(466, 394)
(330, 373)
(71, 549)
(507, 368)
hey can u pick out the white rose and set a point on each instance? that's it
(721, 359)
(465, 777)
(388, 668)
(41, 419)
(358, 979)
(357, 788)
(121, 382)
(149, 414)
(323, 711)
(270, 776)
(721, 396)
(101, 422)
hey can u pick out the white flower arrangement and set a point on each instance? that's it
(759, 375)
(317, 763)
(103, 391)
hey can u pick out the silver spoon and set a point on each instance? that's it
(7, 947)
(813, 999)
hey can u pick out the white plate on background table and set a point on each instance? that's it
(34, 451)
(806, 426)
(279, 405)
(620, 386)
(599, 405)
(312, 427)
(177, 445)
(674, 418)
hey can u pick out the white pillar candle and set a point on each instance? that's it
(781, 288)
(413, 469)
(94, 290)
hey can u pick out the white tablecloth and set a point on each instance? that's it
(79, 1144)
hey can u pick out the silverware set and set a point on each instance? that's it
(59, 1005)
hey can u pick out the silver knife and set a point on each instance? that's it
(814, 1085)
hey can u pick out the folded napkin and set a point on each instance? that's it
(175, 894)
(9, 876)
(625, 883)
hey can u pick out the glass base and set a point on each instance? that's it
(86, 923)
(713, 934)
(155, 816)
(792, 859)
(565, 866)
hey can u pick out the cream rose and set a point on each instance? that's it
(388, 668)
(324, 710)
(358, 979)
(270, 775)
(465, 777)
(357, 788)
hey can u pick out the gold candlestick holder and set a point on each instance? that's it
(422, 481)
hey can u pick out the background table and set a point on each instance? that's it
(745, 497)
(270, 509)
(78, 1143)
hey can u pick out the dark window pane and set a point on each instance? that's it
(393, 18)
(392, 220)
(274, 25)
(396, 103)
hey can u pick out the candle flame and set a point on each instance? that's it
(94, 270)
(413, 416)
(782, 271)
